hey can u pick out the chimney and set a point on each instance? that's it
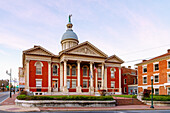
(144, 60)
(129, 67)
(168, 50)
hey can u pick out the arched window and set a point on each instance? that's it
(112, 70)
(84, 71)
(55, 70)
(99, 73)
(39, 66)
(73, 70)
(68, 70)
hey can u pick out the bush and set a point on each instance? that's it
(75, 97)
(158, 98)
(146, 93)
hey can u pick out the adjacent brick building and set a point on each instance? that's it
(129, 80)
(159, 68)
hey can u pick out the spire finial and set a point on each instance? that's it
(70, 17)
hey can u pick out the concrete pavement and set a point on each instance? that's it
(3, 96)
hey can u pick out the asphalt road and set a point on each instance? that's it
(3, 96)
(131, 111)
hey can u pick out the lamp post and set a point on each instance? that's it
(9, 81)
(2, 85)
(152, 92)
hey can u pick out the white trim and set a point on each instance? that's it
(156, 63)
(144, 76)
(125, 80)
(38, 79)
(154, 66)
(158, 90)
(156, 74)
(167, 63)
(144, 65)
(154, 86)
(168, 77)
(146, 79)
(168, 72)
(125, 90)
(54, 78)
(154, 78)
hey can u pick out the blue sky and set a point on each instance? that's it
(131, 29)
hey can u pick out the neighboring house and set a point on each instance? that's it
(129, 80)
(159, 68)
(77, 68)
(21, 79)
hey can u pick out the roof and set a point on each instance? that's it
(69, 34)
(155, 59)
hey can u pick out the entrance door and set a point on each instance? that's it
(55, 85)
(99, 85)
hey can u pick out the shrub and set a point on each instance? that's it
(77, 97)
(146, 93)
(158, 98)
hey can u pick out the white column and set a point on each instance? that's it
(91, 78)
(61, 77)
(96, 81)
(105, 78)
(28, 88)
(65, 77)
(102, 76)
(120, 89)
(49, 76)
(78, 89)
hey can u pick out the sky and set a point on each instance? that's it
(131, 29)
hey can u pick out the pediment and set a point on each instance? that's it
(86, 49)
(114, 58)
(38, 50)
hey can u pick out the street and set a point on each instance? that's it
(3, 96)
(129, 111)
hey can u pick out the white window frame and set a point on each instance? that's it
(86, 84)
(143, 79)
(134, 80)
(112, 71)
(53, 69)
(86, 72)
(168, 90)
(125, 91)
(144, 66)
(112, 82)
(38, 80)
(154, 66)
(155, 91)
(75, 70)
(168, 77)
(40, 67)
(125, 81)
(69, 70)
(74, 84)
(168, 64)
(99, 72)
(157, 74)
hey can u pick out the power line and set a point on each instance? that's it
(137, 60)
(146, 49)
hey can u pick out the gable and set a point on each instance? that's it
(114, 58)
(38, 50)
(86, 49)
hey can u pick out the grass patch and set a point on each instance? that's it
(72, 97)
(126, 96)
(159, 98)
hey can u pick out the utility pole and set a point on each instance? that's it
(9, 73)
(2, 85)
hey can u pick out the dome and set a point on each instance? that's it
(69, 34)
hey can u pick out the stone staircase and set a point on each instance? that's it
(128, 101)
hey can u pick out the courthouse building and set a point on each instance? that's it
(79, 67)
(159, 69)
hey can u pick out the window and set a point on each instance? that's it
(168, 64)
(89, 83)
(112, 84)
(156, 78)
(112, 73)
(156, 67)
(74, 71)
(68, 83)
(84, 84)
(124, 81)
(38, 68)
(168, 77)
(168, 90)
(144, 80)
(73, 83)
(133, 73)
(99, 73)
(38, 83)
(156, 91)
(125, 90)
(144, 69)
(68, 70)
(99, 84)
(134, 80)
(84, 71)
(55, 70)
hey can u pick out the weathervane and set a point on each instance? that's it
(70, 18)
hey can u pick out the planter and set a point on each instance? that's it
(60, 103)
(157, 103)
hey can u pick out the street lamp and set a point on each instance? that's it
(9, 81)
(2, 85)
(152, 92)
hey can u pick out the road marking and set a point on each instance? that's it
(4, 99)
